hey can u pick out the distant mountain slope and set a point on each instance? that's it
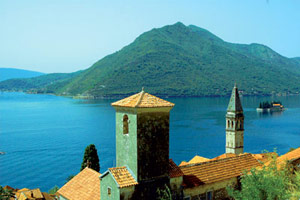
(179, 60)
(297, 59)
(8, 73)
(48, 83)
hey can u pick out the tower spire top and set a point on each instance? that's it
(235, 104)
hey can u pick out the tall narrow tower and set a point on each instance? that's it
(235, 124)
(142, 136)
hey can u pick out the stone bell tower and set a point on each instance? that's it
(142, 137)
(235, 124)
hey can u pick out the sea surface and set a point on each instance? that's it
(44, 136)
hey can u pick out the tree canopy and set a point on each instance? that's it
(269, 183)
(90, 158)
(5, 194)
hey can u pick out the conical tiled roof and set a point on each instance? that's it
(142, 100)
(235, 102)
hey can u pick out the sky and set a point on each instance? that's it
(69, 35)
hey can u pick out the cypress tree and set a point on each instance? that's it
(91, 157)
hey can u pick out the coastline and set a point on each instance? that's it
(117, 96)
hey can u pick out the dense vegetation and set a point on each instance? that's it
(267, 104)
(48, 83)
(9, 73)
(270, 182)
(90, 158)
(5, 194)
(179, 60)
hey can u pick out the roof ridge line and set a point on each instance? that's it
(140, 99)
(218, 160)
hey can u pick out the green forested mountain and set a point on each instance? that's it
(9, 73)
(179, 60)
(297, 59)
(48, 83)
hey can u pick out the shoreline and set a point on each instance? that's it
(117, 96)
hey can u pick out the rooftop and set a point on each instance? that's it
(235, 104)
(264, 157)
(85, 186)
(26, 193)
(123, 176)
(142, 100)
(217, 170)
(196, 159)
(174, 170)
(225, 155)
(288, 157)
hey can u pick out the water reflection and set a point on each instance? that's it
(265, 114)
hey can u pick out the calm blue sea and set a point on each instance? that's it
(44, 136)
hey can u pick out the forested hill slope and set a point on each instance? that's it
(297, 59)
(179, 60)
(9, 73)
(47, 83)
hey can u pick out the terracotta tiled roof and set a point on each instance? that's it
(142, 100)
(218, 170)
(225, 155)
(174, 170)
(26, 193)
(84, 186)
(196, 159)
(7, 187)
(264, 157)
(183, 163)
(288, 157)
(48, 196)
(122, 176)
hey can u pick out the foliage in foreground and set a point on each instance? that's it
(5, 194)
(53, 190)
(164, 193)
(91, 157)
(268, 183)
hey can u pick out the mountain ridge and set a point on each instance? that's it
(179, 60)
(9, 73)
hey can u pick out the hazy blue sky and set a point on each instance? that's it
(68, 35)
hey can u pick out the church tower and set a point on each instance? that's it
(142, 139)
(235, 124)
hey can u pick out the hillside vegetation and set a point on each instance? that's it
(48, 83)
(179, 60)
(9, 73)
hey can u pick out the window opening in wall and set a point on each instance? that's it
(209, 195)
(109, 191)
(125, 124)
(228, 124)
(231, 124)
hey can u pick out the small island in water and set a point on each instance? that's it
(273, 106)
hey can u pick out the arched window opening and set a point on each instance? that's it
(231, 124)
(109, 191)
(228, 124)
(125, 124)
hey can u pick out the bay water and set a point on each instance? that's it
(44, 136)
